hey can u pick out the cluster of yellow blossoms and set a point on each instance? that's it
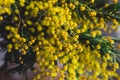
(50, 30)
(5, 6)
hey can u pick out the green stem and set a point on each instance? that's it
(114, 56)
(116, 39)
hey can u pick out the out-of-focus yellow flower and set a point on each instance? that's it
(93, 13)
(115, 1)
(98, 46)
(82, 8)
(92, 1)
